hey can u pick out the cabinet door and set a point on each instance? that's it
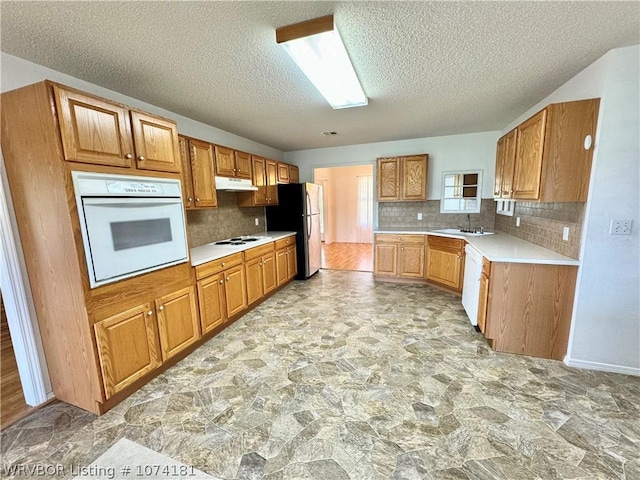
(508, 165)
(444, 267)
(202, 171)
(260, 180)
(187, 182)
(225, 162)
(292, 260)
(528, 162)
(414, 177)
(177, 321)
(483, 301)
(388, 179)
(235, 290)
(254, 280)
(156, 141)
(93, 130)
(411, 261)
(282, 266)
(127, 346)
(212, 302)
(269, 279)
(385, 259)
(283, 173)
(243, 165)
(294, 174)
(272, 182)
(500, 156)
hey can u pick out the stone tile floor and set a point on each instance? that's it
(339, 377)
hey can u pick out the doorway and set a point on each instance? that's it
(347, 217)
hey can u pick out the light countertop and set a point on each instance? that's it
(209, 252)
(499, 247)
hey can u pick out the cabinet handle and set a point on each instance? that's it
(141, 158)
(189, 199)
(235, 169)
(227, 279)
(197, 199)
(128, 156)
(223, 264)
(161, 307)
(149, 313)
(260, 263)
(221, 282)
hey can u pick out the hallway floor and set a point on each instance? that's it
(347, 256)
(341, 377)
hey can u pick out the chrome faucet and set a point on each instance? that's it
(468, 222)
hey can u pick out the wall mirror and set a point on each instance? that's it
(461, 192)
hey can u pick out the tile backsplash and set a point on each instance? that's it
(405, 214)
(228, 220)
(542, 224)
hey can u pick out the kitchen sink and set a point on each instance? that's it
(457, 231)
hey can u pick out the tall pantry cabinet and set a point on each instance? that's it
(99, 343)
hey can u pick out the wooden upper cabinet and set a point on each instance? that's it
(272, 182)
(97, 131)
(402, 178)
(294, 174)
(505, 163)
(127, 347)
(202, 172)
(552, 155)
(528, 163)
(388, 179)
(225, 162)
(414, 177)
(156, 141)
(283, 172)
(93, 130)
(187, 180)
(243, 165)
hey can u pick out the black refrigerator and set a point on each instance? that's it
(298, 210)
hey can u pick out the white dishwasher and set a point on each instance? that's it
(471, 285)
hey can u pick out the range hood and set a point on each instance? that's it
(234, 184)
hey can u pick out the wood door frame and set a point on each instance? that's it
(25, 334)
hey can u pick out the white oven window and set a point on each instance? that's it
(128, 236)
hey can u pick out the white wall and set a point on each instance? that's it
(16, 72)
(605, 331)
(453, 152)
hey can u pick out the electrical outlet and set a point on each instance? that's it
(517, 221)
(565, 234)
(420, 216)
(257, 221)
(620, 227)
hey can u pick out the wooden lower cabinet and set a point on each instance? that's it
(127, 347)
(177, 321)
(529, 308)
(235, 290)
(445, 261)
(211, 299)
(483, 300)
(260, 266)
(399, 256)
(285, 260)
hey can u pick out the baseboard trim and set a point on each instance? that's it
(603, 367)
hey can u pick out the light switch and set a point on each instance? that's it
(420, 216)
(257, 221)
(565, 234)
(517, 221)
(620, 227)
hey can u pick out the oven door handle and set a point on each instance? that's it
(131, 202)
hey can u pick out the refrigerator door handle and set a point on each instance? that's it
(309, 225)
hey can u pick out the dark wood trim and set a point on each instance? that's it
(304, 29)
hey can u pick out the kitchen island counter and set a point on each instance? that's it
(211, 251)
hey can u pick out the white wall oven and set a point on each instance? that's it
(130, 225)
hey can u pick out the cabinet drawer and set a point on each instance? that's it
(285, 242)
(387, 238)
(445, 244)
(218, 265)
(258, 251)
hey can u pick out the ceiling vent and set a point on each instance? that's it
(329, 134)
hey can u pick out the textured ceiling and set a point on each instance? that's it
(428, 68)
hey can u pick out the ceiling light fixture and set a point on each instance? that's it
(316, 47)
